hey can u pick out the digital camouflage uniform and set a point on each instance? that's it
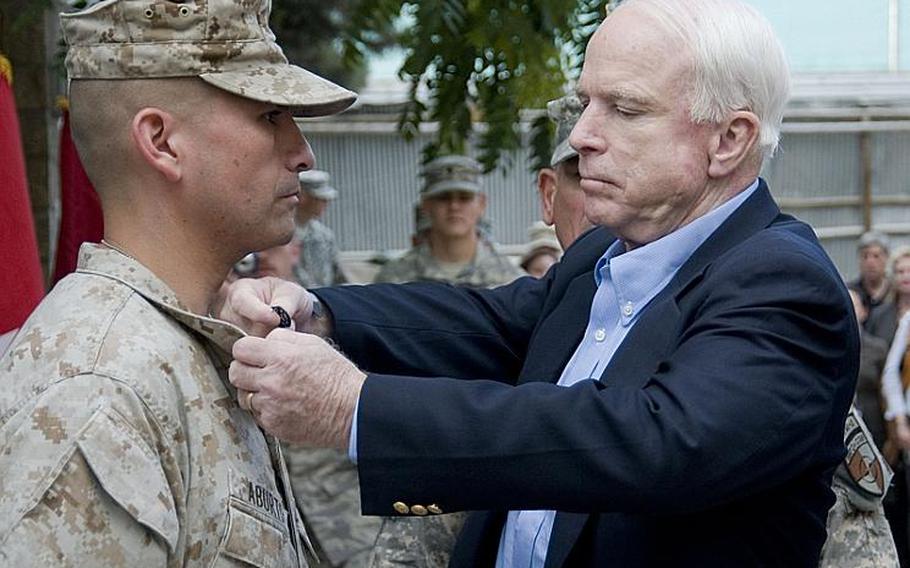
(487, 268)
(123, 442)
(859, 535)
(318, 264)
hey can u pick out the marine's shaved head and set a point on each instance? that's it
(101, 114)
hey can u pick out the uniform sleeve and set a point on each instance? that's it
(82, 483)
(891, 379)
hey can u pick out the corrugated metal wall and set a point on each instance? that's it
(376, 174)
(817, 176)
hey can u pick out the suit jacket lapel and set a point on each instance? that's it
(563, 329)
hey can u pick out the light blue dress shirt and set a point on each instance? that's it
(626, 283)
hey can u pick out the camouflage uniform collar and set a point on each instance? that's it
(109, 263)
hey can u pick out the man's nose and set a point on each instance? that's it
(300, 155)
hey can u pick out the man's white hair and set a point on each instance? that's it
(738, 62)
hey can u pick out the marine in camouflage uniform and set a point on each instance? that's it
(445, 176)
(428, 542)
(123, 443)
(858, 532)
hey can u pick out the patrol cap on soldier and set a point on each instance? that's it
(564, 112)
(316, 183)
(226, 43)
(450, 173)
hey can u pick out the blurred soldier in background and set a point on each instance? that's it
(542, 251)
(559, 187)
(453, 249)
(319, 264)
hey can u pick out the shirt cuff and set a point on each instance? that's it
(352, 441)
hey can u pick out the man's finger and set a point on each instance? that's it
(247, 304)
(243, 377)
(252, 351)
(285, 335)
(293, 299)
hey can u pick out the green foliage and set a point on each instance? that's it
(308, 32)
(470, 61)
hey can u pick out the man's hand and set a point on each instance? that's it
(247, 303)
(304, 391)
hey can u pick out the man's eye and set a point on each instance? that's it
(626, 112)
(273, 116)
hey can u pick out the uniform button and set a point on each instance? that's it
(600, 334)
(627, 309)
(419, 510)
(400, 508)
(434, 509)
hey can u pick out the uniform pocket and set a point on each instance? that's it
(254, 539)
(130, 472)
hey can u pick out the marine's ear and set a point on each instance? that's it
(153, 133)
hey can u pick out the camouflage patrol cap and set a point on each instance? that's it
(451, 173)
(564, 112)
(226, 43)
(316, 183)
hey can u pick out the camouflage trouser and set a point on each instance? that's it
(327, 489)
(418, 542)
(857, 539)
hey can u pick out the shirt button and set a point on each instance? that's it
(627, 309)
(600, 335)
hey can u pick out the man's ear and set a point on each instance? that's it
(152, 131)
(546, 192)
(482, 201)
(733, 143)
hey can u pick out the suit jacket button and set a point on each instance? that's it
(419, 510)
(434, 509)
(400, 508)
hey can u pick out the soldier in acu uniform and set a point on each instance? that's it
(318, 252)
(858, 532)
(123, 442)
(453, 249)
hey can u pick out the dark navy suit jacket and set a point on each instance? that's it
(709, 440)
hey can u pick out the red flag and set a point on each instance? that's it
(81, 219)
(21, 282)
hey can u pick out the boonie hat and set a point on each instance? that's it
(451, 173)
(316, 183)
(564, 112)
(226, 43)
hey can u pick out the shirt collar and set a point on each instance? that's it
(109, 263)
(638, 275)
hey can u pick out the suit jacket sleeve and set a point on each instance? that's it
(763, 365)
(433, 329)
